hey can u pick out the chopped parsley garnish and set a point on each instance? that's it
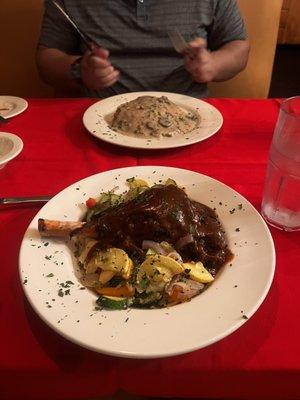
(66, 284)
(50, 275)
(60, 293)
(144, 283)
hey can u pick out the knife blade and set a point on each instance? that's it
(84, 37)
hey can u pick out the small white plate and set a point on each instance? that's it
(95, 121)
(10, 106)
(10, 146)
(235, 295)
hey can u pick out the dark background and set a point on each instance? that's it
(286, 73)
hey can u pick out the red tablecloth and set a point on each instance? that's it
(259, 361)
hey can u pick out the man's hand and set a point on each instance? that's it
(96, 70)
(219, 65)
(201, 66)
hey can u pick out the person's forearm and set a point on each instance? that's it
(54, 68)
(230, 59)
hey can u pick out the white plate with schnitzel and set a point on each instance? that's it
(99, 120)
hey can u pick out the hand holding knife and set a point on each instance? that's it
(94, 68)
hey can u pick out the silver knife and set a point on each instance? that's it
(24, 200)
(83, 36)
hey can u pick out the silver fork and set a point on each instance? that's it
(24, 200)
(180, 44)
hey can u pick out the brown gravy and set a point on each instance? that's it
(162, 213)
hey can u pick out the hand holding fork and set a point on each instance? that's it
(203, 66)
(199, 61)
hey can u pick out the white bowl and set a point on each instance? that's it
(10, 146)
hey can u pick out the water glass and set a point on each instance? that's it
(281, 195)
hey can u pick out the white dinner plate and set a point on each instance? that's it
(10, 106)
(96, 117)
(234, 296)
(10, 146)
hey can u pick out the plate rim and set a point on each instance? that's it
(23, 105)
(152, 147)
(186, 349)
(17, 147)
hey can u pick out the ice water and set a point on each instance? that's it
(281, 201)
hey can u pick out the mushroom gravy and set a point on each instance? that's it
(149, 116)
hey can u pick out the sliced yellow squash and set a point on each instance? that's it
(136, 183)
(159, 268)
(197, 272)
(105, 276)
(115, 260)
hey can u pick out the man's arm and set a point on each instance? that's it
(218, 65)
(231, 59)
(227, 44)
(54, 67)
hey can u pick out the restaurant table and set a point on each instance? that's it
(261, 360)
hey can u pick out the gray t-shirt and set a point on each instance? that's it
(135, 33)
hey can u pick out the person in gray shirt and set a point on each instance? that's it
(133, 51)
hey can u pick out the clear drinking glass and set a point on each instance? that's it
(281, 196)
